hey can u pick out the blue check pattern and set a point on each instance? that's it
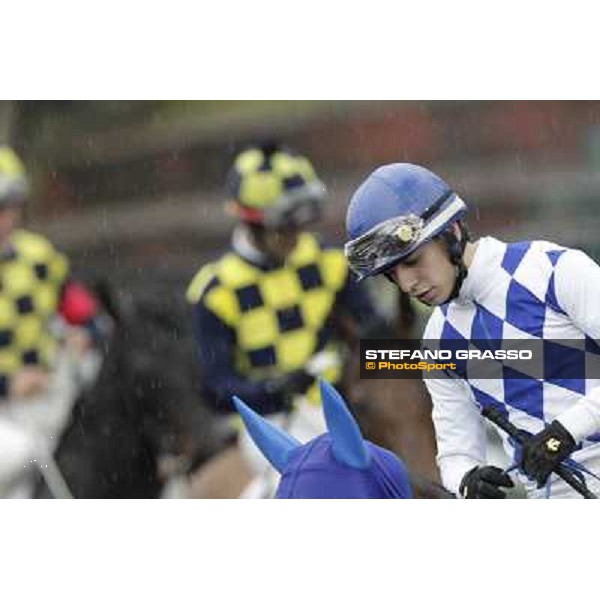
(514, 298)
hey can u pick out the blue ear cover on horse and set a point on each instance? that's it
(347, 443)
(274, 443)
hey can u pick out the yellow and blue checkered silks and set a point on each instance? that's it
(32, 274)
(272, 183)
(279, 316)
(13, 178)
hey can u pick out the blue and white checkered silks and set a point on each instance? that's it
(511, 294)
(337, 464)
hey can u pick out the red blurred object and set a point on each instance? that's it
(77, 305)
(250, 215)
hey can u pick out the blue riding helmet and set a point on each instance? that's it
(337, 464)
(397, 209)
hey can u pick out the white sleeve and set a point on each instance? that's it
(459, 430)
(577, 289)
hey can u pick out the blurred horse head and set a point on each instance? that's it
(144, 407)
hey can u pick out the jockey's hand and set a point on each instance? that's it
(485, 482)
(543, 452)
(78, 341)
(297, 382)
(29, 381)
(289, 385)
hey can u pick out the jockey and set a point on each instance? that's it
(38, 301)
(264, 312)
(406, 223)
(336, 464)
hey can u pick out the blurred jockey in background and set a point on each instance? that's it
(46, 321)
(265, 313)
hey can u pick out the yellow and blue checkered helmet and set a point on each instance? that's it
(275, 187)
(14, 184)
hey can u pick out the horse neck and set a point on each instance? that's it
(394, 413)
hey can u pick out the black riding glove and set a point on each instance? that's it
(298, 381)
(543, 452)
(485, 482)
(289, 385)
(295, 382)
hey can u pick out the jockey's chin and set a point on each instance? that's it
(278, 244)
(433, 298)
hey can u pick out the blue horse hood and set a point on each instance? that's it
(337, 464)
(314, 472)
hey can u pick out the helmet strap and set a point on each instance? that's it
(456, 248)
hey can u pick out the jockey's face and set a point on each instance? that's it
(277, 243)
(427, 274)
(10, 217)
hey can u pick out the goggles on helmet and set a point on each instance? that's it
(295, 208)
(13, 192)
(393, 240)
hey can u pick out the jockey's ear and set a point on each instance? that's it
(275, 444)
(347, 443)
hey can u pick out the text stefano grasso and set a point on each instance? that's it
(426, 354)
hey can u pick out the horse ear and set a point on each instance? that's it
(347, 443)
(275, 444)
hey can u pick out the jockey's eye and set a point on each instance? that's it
(412, 259)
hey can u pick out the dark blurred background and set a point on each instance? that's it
(128, 187)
